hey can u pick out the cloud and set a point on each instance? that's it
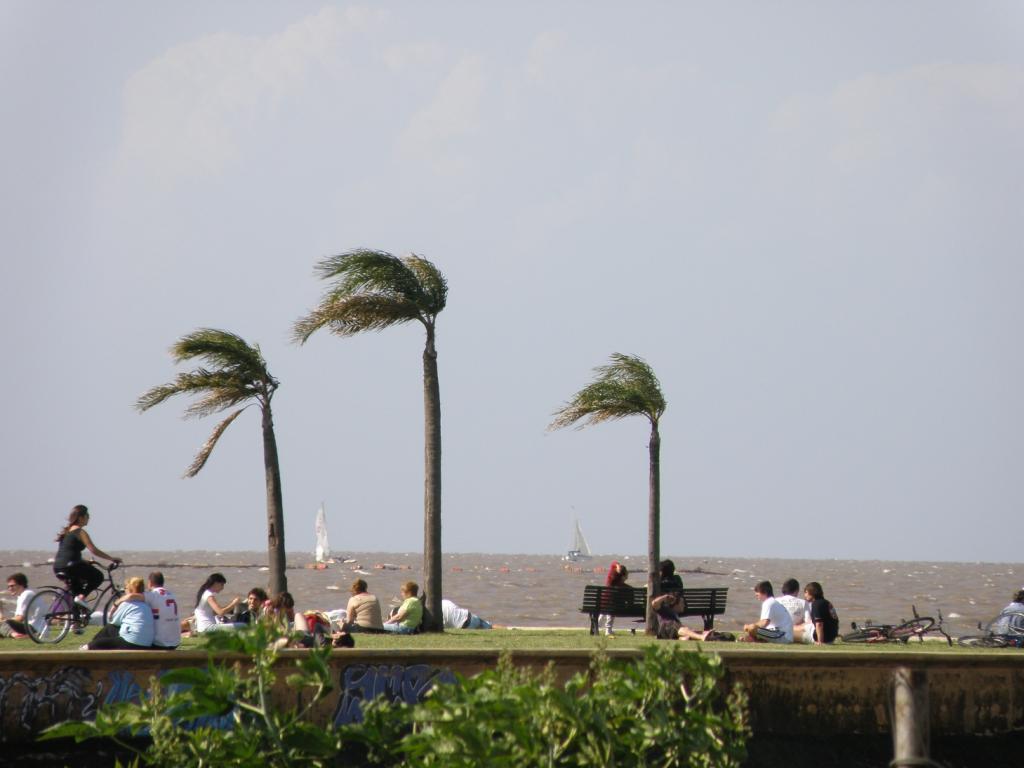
(545, 53)
(914, 116)
(454, 114)
(183, 112)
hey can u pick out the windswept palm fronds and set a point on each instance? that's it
(371, 290)
(626, 386)
(236, 374)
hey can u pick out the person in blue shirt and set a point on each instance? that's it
(131, 628)
(1010, 620)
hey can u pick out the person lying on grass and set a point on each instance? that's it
(667, 608)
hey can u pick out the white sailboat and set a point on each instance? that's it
(322, 550)
(579, 549)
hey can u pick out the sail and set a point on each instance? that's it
(579, 542)
(323, 549)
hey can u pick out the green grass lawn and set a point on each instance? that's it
(543, 640)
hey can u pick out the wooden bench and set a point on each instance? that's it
(631, 602)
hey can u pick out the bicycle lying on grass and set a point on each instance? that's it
(53, 612)
(917, 627)
(1004, 631)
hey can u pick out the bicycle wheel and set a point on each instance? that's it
(49, 615)
(864, 636)
(914, 628)
(109, 609)
(983, 641)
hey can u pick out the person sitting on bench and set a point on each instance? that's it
(617, 575)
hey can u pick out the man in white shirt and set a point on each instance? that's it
(17, 585)
(775, 624)
(164, 604)
(797, 607)
(456, 617)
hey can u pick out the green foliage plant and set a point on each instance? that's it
(223, 715)
(670, 709)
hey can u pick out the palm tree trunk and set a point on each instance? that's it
(278, 582)
(653, 526)
(432, 483)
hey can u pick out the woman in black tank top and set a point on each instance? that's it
(72, 540)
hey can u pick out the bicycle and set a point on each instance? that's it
(917, 627)
(53, 612)
(1004, 631)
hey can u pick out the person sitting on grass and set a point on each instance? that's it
(407, 619)
(796, 605)
(822, 624)
(1011, 619)
(131, 628)
(302, 629)
(209, 612)
(667, 609)
(775, 624)
(164, 605)
(362, 614)
(17, 585)
(254, 603)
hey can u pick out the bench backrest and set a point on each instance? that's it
(700, 601)
(597, 597)
(705, 601)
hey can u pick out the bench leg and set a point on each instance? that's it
(709, 622)
(593, 624)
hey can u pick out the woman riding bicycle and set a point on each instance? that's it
(72, 540)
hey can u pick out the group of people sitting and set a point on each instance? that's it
(147, 616)
(361, 614)
(788, 618)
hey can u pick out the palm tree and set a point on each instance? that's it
(370, 291)
(237, 374)
(627, 386)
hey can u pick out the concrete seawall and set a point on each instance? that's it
(821, 692)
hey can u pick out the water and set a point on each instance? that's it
(542, 591)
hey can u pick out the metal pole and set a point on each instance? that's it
(910, 718)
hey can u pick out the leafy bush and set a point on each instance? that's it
(669, 709)
(222, 715)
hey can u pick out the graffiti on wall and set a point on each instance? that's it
(30, 702)
(124, 688)
(399, 683)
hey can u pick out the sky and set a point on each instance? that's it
(805, 216)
